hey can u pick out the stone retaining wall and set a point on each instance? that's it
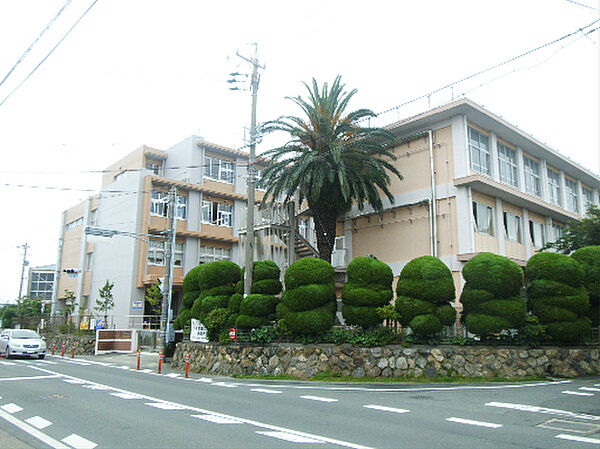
(85, 344)
(306, 361)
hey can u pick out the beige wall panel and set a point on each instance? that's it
(339, 228)
(507, 207)
(74, 213)
(515, 250)
(443, 158)
(135, 159)
(66, 283)
(447, 227)
(87, 283)
(485, 243)
(95, 201)
(157, 222)
(217, 186)
(484, 199)
(217, 231)
(457, 278)
(537, 217)
(413, 165)
(71, 248)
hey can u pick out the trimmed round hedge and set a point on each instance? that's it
(190, 281)
(183, 319)
(369, 286)
(589, 259)
(256, 309)
(218, 273)
(308, 304)
(556, 295)
(492, 297)
(425, 289)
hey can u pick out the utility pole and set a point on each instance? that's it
(25, 247)
(251, 180)
(166, 314)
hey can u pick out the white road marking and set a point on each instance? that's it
(589, 389)
(563, 436)
(74, 381)
(173, 375)
(38, 422)
(577, 393)
(146, 370)
(264, 390)
(78, 442)
(290, 437)
(319, 398)
(217, 419)
(75, 362)
(547, 411)
(33, 431)
(5, 379)
(166, 405)
(474, 423)
(386, 409)
(243, 420)
(2, 362)
(126, 395)
(96, 387)
(204, 379)
(11, 408)
(125, 367)
(223, 384)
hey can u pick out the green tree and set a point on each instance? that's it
(106, 301)
(578, 234)
(8, 314)
(69, 304)
(154, 296)
(331, 160)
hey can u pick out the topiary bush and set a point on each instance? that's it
(425, 289)
(308, 304)
(191, 292)
(589, 259)
(492, 297)
(369, 286)
(557, 296)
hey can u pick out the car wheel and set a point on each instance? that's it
(41, 356)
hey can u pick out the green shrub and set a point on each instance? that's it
(425, 289)
(554, 267)
(258, 305)
(250, 322)
(369, 271)
(492, 297)
(569, 332)
(577, 304)
(308, 322)
(543, 287)
(214, 322)
(234, 303)
(365, 317)
(214, 302)
(197, 313)
(183, 319)
(218, 273)
(190, 281)
(589, 259)
(189, 298)
(267, 287)
(265, 269)
(307, 297)
(220, 290)
(354, 294)
(308, 271)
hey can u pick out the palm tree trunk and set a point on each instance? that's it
(325, 220)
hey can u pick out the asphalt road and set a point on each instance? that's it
(105, 402)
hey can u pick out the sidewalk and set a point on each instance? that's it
(148, 360)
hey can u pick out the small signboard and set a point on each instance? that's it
(137, 305)
(232, 333)
(198, 332)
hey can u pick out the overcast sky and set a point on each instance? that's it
(152, 72)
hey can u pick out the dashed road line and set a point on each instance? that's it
(32, 431)
(264, 390)
(165, 405)
(38, 422)
(589, 389)
(544, 410)
(2, 362)
(6, 379)
(78, 442)
(126, 395)
(11, 408)
(577, 393)
(564, 436)
(319, 398)
(474, 423)
(217, 419)
(290, 437)
(224, 384)
(383, 408)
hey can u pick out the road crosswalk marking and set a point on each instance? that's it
(79, 442)
(38, 422)
(474, 423)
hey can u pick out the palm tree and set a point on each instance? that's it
(331, 161)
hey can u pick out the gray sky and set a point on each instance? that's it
(152, 72)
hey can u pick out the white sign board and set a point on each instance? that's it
(136, 304)
(198, 332)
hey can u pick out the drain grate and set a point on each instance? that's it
(570, 426)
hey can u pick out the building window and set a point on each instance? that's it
(211, 254)
(588, 198)
(74, 224)
(41, 285)
(259, 185)
(156, 252)
(538, 234)
(484, 218)
(507, 161)
(217, 213)
(532, 176)
(557, 231)
(479, 149)
(554, 187)
(154, 166)
(512, 227)
(159, 205)
(181, 209)
(572, 199)
(218, 169)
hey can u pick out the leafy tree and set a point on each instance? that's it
(8, 314)
(69, 304)
(331, 160)
(154, 296)
(578, 234)
(106, 302)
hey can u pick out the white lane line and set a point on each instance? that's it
(264, 390)
(166, 405)
(290, 437)
(11, 408)
(386, 409)
(243, 420)
(564, 436)
(126, 395)
(319, 398)
(547, 411)
(78, 442)
(53, 376)
(474, 423)
(224, 384)
(74, 381)
(38, 422)
(577, 393)
(204, 379)
(96, 387)
(217, 419)
(47, 362)
(589, 389)
(124, 367)
(75, 362)
(2, 362)
(33, 431)
(173, 375)
(146, 370)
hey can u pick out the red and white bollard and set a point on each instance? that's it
(139, 358)
(160, 354)
(187, 364)
(74, 348)
(62, 352)
(53, 346)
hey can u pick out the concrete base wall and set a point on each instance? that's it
(306, 361)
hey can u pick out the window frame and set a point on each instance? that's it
(209, 254)
(507, 162)
(217, 214)
(514, 218)
(479, 148)
(588, 200)
(478, 222)
(532, 233)
(220, 170)
(532, 175)
(554, 190)
(572, 195)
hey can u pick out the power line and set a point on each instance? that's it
(47, 27)
(582, 4)
(49, 53)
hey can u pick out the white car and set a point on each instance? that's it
(23, 342)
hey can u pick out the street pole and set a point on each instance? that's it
(25, 248)
(249, 253)
(166, 312)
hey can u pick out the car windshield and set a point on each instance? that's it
(24, 334)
